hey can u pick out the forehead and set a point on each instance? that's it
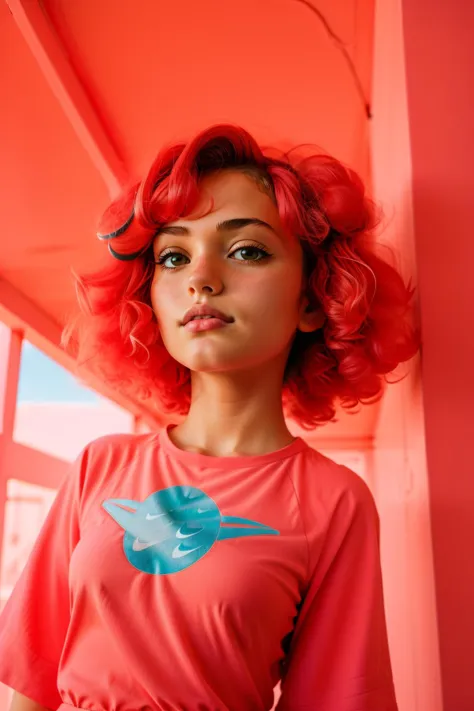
(233, 194)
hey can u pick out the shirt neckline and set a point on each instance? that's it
(206, 460)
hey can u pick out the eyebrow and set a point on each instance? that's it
(237, 223)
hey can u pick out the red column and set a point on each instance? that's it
(10, 355)
(439, 55)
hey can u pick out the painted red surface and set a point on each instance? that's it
(88, 98)
(439, 61)
(105, 88)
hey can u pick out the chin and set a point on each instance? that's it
(212, 362)
(206, 365)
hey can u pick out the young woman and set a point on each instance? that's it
(192, 568)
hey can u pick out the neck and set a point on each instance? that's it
(235, 414)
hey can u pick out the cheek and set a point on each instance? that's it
(162, 298)
(275, 299)
(155, 303)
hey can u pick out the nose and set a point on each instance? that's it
(206, 277)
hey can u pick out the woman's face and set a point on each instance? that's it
(253, 274)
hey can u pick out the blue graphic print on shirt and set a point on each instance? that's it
(175, 527)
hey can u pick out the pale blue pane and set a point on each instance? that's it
(43, 380)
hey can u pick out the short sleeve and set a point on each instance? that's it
(338, 658)
(34, 622)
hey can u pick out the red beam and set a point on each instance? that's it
(32, 466)
(21, 314)
(52, 60)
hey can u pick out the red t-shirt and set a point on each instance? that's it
(174, 581)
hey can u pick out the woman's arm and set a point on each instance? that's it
(23, 703)
(339, 656)
(35, 619)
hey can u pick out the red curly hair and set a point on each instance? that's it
(367, 330)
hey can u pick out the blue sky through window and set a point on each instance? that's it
(43, 380)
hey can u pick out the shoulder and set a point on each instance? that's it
(326, 488)
(109, 454)
(337, 508)
(120, 443)
(321, 473)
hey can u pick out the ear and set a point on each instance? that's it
(311, 318)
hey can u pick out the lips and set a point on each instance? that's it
(202, 311)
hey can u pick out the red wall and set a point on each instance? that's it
(399, 475)
(439, 56)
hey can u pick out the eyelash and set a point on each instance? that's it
(257, 247)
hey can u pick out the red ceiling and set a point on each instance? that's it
(92, 88)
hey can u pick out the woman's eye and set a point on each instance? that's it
(170, 260)
(251, 254)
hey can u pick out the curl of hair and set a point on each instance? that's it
(368, 326)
